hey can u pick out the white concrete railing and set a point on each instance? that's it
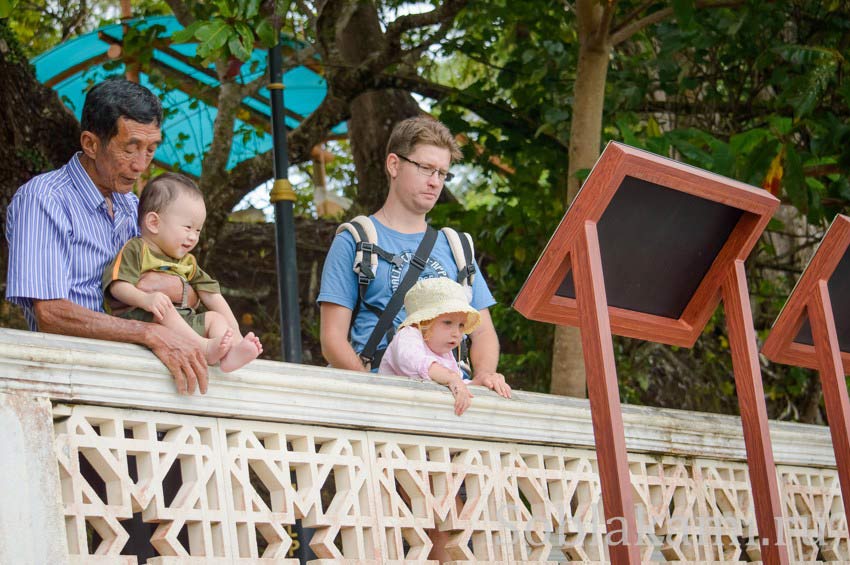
(89, 430)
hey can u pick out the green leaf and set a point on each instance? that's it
(627, 134)
(794, 179)
(237, 49)
(652, 127)
(816, 212)
(684, 10)
(775, 225)
(747, 141)
(842, 188)
(187, 33)
(225, 7)
(266, 33)
(724, 160)
(214, 34)
(247, 36)
(781, 125)
(252, 8)
(6, 7)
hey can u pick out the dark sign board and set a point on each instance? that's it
(668, 233)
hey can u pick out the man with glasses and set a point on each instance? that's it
(419, 154)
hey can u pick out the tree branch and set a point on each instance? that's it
(605, 21)
(631, 27)
(316, 126)
(253, 88)
(503, 115)
(247, 175)
(307, 13)
(446, 12)
(412, 55)
(822, 170)
(629, 30)
(635, 13)
(181, 12)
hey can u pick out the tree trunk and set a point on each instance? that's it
(37, 132)
(568, 376)
(373, 114)
(217, 191)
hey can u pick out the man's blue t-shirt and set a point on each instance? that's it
(339, 282)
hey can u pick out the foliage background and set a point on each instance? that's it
(756, 91)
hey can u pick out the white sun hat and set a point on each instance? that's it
(432, 297)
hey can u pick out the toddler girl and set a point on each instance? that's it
(438, 316)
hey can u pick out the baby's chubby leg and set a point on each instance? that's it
(220, 336)
(239, 351)
(242, 353)
(215, 346)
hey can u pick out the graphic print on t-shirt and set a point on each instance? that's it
(433, 268)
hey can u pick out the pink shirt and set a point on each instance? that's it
(408, 355)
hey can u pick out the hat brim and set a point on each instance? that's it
(473, 317)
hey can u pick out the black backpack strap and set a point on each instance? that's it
(385, 320)
(463, 253)
(363, 268)
(365, 247)
(366, 254)
(467, 273)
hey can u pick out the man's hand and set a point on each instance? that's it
(170, 285)
(158, 304)
(183, 357)
(493, 381)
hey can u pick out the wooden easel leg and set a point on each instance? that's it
(835, 396)
(745, 364)
(604, 397)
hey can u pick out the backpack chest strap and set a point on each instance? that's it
(385, 320)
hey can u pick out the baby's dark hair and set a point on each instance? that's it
(163, 190)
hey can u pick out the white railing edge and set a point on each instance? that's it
(76, 370)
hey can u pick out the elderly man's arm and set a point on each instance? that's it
(335, 321)
(484, 355)
(169, 285)
(184, 358)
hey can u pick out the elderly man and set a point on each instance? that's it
(66, 225)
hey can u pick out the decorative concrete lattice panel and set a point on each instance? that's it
(814, 515)
(280, 473)
(114, 463)
(373, 497)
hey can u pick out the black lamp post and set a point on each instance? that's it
(283, 198)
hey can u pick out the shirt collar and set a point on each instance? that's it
(89, 193)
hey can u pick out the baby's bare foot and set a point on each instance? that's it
(242, 353)
(217, 347)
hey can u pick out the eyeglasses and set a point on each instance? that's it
(427, 171)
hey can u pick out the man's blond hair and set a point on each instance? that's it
(421, 130)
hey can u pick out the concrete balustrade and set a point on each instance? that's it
(96, 442)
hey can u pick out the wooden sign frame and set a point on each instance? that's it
(811, 297)
(575, 248)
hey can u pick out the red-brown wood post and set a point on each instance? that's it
(835, 396)
(604, 395)
(745, 363)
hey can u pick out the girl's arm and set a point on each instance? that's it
(410, 356)
(447, 377)
(216, 302)
(156, 303)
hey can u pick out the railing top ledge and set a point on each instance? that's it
(75, 370)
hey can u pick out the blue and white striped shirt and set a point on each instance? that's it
(61, 238)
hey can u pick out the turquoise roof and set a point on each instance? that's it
(72, 67)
